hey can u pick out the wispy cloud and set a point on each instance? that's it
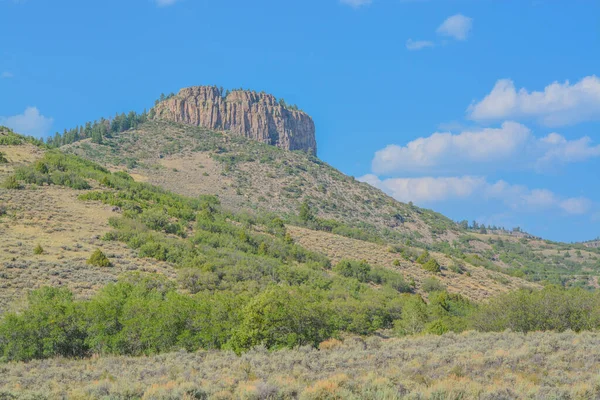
(356, 3)
(457, 26)
(418, 44)
(576, 206)
(6, 75)
(427, 190)
(558, 104)
(31, 122)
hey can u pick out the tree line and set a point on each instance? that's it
(99, 130)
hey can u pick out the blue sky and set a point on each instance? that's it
(479, 109)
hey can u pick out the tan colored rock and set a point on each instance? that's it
(254, 115)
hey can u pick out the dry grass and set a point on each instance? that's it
(477, 283)
(69, 231)
(466, 366)
(18, 156)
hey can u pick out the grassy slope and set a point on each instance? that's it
(68, 230)
(467, 366)
(476, 283)
(249, 176)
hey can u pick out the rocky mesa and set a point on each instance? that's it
(258, 116)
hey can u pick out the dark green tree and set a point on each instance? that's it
(305, 213)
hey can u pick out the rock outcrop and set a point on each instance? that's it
(258, 116)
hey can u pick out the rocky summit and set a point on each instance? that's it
(257, 116)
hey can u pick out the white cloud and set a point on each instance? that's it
(418, 44)
(557, 149)
(31, 122)
(457, 26)
(512, 146)
(356, 3)
(448, 150)
(576, 206)
(539, 198)
(165, 3)
(6, 75)
(559, 103)
(427, 190)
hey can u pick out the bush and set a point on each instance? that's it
(11, 183)
(3, 159)
(354, 269)
(414, 317)
(279, 318)
(552, 308)
(49, 327)
(432, 266)
(423, 258)
(458, 269)
(38, 250)
(98, 259)
(155, 219)
(432, 285)
(363, 272)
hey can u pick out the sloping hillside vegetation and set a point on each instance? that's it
(253, 177)
(248, 175)
(102, 264)
(231, 267)
(242, 282)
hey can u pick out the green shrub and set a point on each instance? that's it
(49, 327)
(432, 285)
(436, 327)
(3, 159)
(414, 317)
(98, 259)
(38, 249)
(423, 258)
(456, 268)
(11, 183)
(552, 308)
(277, 318)
(432, 266)
(355, 269)
(363, 272)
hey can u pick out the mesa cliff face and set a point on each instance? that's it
(258, 116)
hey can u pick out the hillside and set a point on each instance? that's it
(249, 176)
(190, 246)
